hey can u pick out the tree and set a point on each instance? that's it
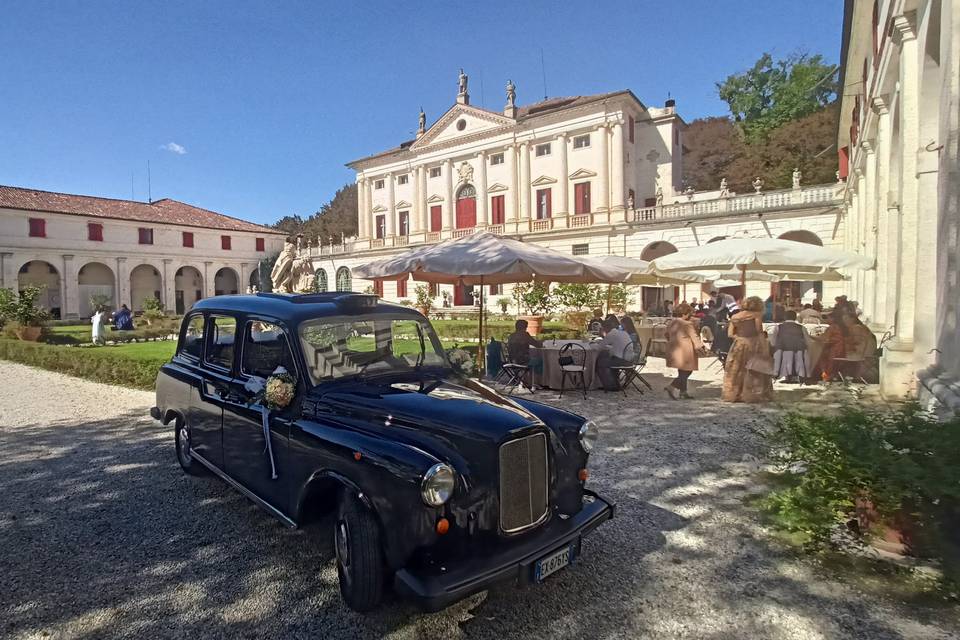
(711, 146)
(335, 219)
(579, 296)
(774, 92)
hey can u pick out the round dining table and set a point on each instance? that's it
(552, 373)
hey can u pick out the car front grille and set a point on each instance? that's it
(523, 483)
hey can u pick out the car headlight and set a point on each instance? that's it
(437, 485)
(588, 435)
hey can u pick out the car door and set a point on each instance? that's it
(205, 413)
(217, 373)
(264, 346)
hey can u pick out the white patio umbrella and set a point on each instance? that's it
(642, 274)
(484, 258)
(772, 255)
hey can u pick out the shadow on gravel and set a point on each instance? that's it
(104, 537)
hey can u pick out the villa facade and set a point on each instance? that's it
(124, 251)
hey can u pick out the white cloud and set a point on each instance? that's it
(173, 147)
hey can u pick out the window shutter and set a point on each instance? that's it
(225, 243)
(549, 207)
(188, 239)
(95, 232)
(261, 244)
(38, 228)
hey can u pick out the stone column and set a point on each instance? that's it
(616, 167)
(391, 208)
(169, 288)
(882, 314)
(603, 180)
(70, 289)
(8, 277)
(209, 288)
(897, 369)
(869, 224)
(424, 206)
(448, 205)
(483, 218)
(244, 278)
(513, 197)
(563, 199)
(362, 211)
(416, 220)
(123, 283)
(524, 182)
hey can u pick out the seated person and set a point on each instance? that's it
(862, 345)
(518, 349)
(626, 323)
(596, 323)
(808, 315)
(123, 319)
(618, 351)
(789, 342)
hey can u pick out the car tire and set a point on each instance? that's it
(182, 440)
(356, 540)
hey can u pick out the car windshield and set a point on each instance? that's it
(338, 347)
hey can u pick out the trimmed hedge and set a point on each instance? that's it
(467, 329)
(102, 364)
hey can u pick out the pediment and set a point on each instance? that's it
(434, 198)
(379, 208)
(542, 180)
(403, 204)
(474, 120)
(583, 173)
(496, 186)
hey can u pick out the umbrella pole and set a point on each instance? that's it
(743, 282)
(480, 350)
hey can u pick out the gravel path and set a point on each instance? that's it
(104, 537)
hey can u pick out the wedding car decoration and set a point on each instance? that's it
(276, 392)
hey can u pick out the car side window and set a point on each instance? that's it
(192, 344)
(223, 330)
(265, 348)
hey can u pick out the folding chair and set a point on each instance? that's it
(573, 363)
(514, 373)
(628, 374)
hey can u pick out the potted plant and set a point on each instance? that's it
(503, 303)
(536, 300)
(424, 302)
(152, 310)
(29, 316)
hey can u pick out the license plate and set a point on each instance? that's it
(552, 563)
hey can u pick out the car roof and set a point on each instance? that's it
(294, 308)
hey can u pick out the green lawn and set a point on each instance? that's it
(142, 350)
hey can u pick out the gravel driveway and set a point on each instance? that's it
(103, 536)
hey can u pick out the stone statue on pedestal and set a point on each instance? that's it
(796, 177)
(511, 94)
(757, 184)
(422, 125)
(282, 273)
(659, 196)
(724, 189)
(463, 83)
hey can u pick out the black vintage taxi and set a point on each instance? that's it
(434, 482)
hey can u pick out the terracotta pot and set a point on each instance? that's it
(30, 334)
(424, 310)
(534, 324)
(895, 534)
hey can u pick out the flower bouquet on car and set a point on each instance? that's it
(274, 393)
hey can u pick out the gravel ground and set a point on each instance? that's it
(104, 536)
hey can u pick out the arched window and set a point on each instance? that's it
(467, 191)
(343, 279)
(320, 283)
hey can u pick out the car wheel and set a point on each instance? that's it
(187, 462)
(356, 538)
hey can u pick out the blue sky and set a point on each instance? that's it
(265, 102)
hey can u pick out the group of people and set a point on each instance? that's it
(122, 320)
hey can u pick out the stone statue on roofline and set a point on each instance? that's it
(511, 93)
(462, 83)
(422, 126)
(724, 189)
(757, 184)
(796, 177)
(659, 195)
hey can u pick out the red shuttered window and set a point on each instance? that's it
(95, 231)
(436, 218)
(188, 239)
(402, 288)
(581, 197)
(261, 244)
(381, 227)
(378, 287)
(145, 235)
(497, 210)
(225, 243)
(38, 228)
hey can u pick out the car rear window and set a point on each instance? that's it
(222, 341)
(264, 349)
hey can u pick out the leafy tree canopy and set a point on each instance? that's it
(774, 92)
(335, 219)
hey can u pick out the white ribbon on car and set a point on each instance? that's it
(256, 385)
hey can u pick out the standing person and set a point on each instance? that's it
(617, 351)
(789, 342)
(683, 345)
(97, 329)
(726, 301)
(123, 319)
(668, 308)
(835, 346)
(808, 315)
(596, 323)
(518, 348)
(750, 347)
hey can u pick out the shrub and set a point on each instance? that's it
(894, 458)
(535, 297)
(97, 364)
(100, 301)
(503, 303)
(424, 300)
(25, 309)
(152, 309)
(7, 304)
(579, 296)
